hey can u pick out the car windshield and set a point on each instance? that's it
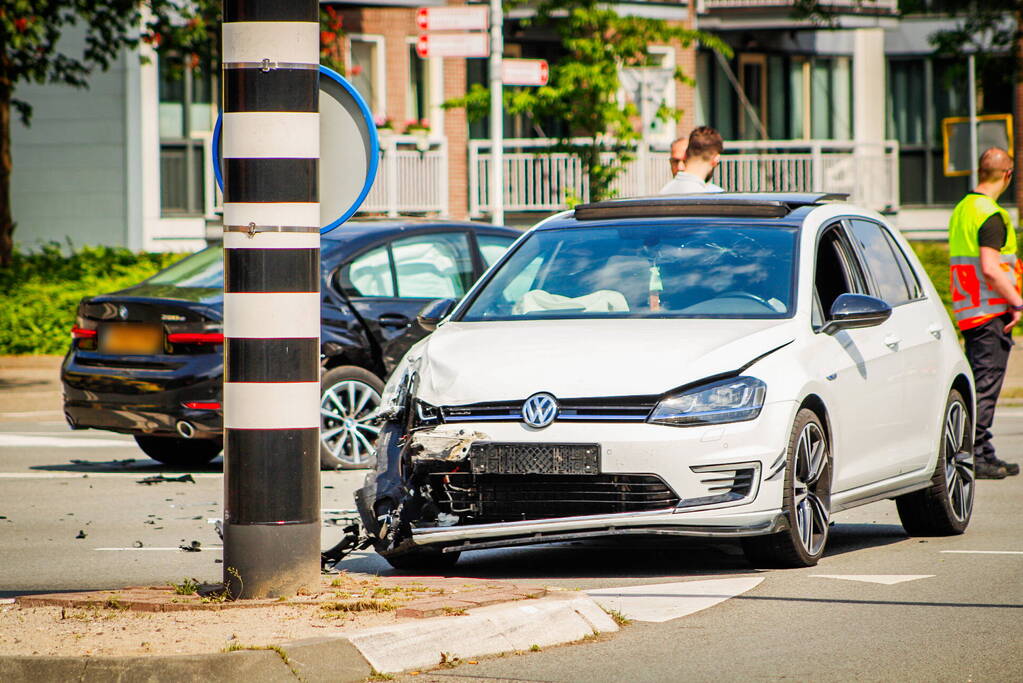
(202, 269)
(684, 270)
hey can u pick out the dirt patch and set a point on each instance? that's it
(161, 621)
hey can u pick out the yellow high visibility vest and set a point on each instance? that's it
(973, 301)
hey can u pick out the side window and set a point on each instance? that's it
(836, 273)
(880, 260)
(912, 281)
(492, 247)
(369, 274)
(433, 266)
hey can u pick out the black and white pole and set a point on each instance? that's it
(271, 149)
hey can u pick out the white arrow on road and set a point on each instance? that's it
(886, 579)
(665, 601)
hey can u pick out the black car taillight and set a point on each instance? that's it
(196, 337)
(83, 338)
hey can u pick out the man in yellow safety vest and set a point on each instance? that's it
(987, 281)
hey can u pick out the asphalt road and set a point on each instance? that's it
(950, 608)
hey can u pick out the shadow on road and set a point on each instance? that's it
(140, 465)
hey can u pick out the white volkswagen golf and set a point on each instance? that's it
(726, 365)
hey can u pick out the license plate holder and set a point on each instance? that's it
(130, 339)
(534, 458)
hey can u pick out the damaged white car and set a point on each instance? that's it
(738, 366)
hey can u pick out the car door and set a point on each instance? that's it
(912, 332)
(864, 396)
(390, 283)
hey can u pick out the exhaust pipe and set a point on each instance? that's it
(185, 429)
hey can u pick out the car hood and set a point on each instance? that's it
(476, 362)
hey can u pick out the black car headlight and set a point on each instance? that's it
(730, 400)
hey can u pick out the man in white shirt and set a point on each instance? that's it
(693, 161)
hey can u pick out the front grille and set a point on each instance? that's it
(612, 409)
(534, 458)
(507, 498)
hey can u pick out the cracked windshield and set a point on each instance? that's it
(679, 271)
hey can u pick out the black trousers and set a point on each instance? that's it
(987, 350)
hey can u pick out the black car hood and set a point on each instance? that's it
(209, 296)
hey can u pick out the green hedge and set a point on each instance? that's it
(39, 293)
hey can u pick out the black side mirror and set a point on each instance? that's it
(856, 310)
(435, 311)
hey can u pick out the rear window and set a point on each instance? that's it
(202, 269)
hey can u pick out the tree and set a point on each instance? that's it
(583, 86)
(31, 52)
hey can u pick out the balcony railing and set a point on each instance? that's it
(888, 6)
(538, 181)
(412, 177)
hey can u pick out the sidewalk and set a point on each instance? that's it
(354, 626)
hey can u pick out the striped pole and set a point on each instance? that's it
(271, 149)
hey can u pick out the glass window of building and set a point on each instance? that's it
(186, 117)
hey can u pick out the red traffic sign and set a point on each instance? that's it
(524, 71)
(453, 45)
(474, 18)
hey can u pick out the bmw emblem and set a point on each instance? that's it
(539, 410)
(123, 312)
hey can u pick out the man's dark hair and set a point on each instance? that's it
(704, 143)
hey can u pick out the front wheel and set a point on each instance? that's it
(944, 508)
(806, 501)
(349, 398)
(177, 452)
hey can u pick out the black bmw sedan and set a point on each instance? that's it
(148, 360)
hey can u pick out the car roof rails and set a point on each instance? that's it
(718, 204)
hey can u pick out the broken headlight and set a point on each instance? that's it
(397, 390)
(730, 400)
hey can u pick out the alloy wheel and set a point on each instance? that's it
(811, 489)
(346, 409)
(959, 473)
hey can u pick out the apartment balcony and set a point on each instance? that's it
(782, 14)
(535, 180)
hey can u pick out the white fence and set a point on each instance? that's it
(537, 181)
(412, 177)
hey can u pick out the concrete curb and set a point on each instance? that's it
(552, 620)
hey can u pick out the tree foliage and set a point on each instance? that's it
(582, 91)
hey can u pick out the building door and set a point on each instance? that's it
(753, 82)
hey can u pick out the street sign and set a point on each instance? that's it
(346, 170)
(453, 45)
(993, 130)
(452, 18)
(524, 72)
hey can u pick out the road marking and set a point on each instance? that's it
(24, 441)
(985, 552)
(665, 601)
(886, 579)
(32, 413)
(205, 547)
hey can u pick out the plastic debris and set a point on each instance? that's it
(159, 479)
(81, 533)
(194, 547)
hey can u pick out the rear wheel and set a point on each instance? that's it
(806, 501)
(349, 397)
(944, 508)
(176, 452)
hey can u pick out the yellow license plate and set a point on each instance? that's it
(130, 338)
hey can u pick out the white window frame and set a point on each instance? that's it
(435, 74)
(379, 66)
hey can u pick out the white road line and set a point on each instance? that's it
(665, 601)
(97, 475)
(23, 441)
(205, 547)
(886, 579)
(32, 413)
(984, 552)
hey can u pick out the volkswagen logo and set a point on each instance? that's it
(539, 410)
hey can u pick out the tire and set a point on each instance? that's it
(806, 501)
(348, 396)
(177, 452)
(425, 561)
(944, 508)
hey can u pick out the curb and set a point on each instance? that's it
(552, 620)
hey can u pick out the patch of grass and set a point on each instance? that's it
(359, 605)
(186, 587)
(618, 617)
(534, 648)
(235, 647)
(375, 675)
(114, 602)
(449, 661)
(455, 611)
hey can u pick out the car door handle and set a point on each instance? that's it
(935, 330)
(393, 320)
(892, 341)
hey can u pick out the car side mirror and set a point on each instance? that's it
(856, 310)
(435, 311)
